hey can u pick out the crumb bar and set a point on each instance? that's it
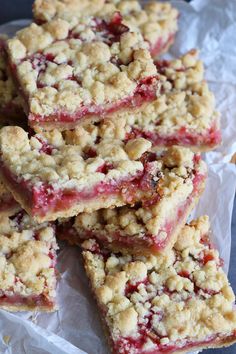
(151, 225)
(27, 265)
(71, 73)
(60, 175)
(184, 114)
(172, 303)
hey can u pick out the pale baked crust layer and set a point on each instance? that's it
(33, 307)
(155, 20)
(180, 300)
(27, 264)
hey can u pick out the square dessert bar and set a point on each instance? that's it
(184, 114)
(60, 175)
(151, 225)
(8, 205)
(10, 102)
(172, 303)
(156, 21)
(70, 73)
(27, 265)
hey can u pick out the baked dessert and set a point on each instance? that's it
(60, 175)
(156, 21)
(171, 303)
(10, 102)
(184, 114)
(27, 265)
(8, 205)
(72, 73)
(151, 225)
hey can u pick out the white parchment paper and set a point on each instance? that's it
(75, 328)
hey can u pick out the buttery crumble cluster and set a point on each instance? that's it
(156, 20)
(186, 102)
(175, 185)
(45, 10)
(164, 300)
(62, 66)
(26, 264)
(49, 158)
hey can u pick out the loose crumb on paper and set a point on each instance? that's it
(6, 339)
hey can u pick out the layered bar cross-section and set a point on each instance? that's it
(60, 175)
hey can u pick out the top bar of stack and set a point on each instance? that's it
(71, 72)
(68, 75)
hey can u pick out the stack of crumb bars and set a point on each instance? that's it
(100, 146)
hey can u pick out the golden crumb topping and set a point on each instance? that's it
(46, 10)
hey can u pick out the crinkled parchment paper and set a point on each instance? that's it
(75, 328)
